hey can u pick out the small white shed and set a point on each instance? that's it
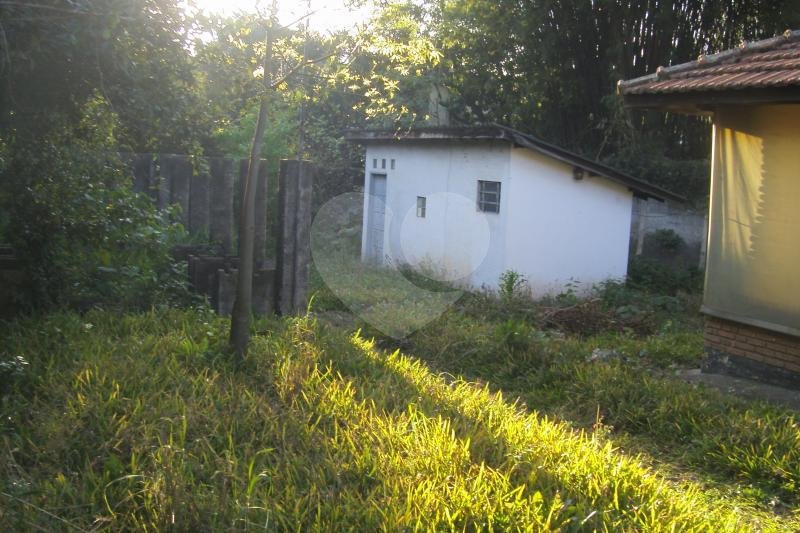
(466, 204)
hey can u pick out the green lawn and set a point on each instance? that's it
(139, 421)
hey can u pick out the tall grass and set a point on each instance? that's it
(140, 422)
(607, 364)
(752, 446)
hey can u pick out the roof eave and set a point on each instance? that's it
(703, 102)
(496, 132)
(427, 134)
(744, 49)
(638, 187)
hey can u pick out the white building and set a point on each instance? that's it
(467, 204)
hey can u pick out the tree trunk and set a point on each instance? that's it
(243, 305)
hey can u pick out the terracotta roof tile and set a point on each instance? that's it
(769, 63)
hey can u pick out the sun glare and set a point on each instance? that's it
(326, 15)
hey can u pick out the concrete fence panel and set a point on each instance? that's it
(209, 192)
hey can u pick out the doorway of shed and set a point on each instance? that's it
(376, 218)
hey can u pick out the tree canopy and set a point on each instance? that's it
(186, 83)
(550, 67)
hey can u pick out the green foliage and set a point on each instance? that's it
(424, 278)
(668, 240)
(723, 437)
(5, 194)
(652, 159)
(11, 370)
(135, 53)
(513, 335)
(513, 285)
(607, 364)
(231, 65)
(278, 143)
(551, 68)
(397, 68)
(616, 294)
(278, 137)
(610, 306)
(137, 422)
(83, 236)
(653, 275)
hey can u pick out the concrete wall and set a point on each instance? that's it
(279, 285)
(208, 192)
(454, 242)
(565, 231)
(650, 216)
(551, 228)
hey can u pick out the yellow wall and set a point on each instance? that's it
(753, 271)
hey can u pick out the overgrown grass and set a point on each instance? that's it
(608, 364)
(140, 422)
(625, 386)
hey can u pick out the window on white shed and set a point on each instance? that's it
(421, 201)
(489, 196)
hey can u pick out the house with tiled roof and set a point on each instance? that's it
(752, 284)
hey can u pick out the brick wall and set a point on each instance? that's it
(761, 346)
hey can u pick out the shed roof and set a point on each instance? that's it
(496, 132)
(759, 72)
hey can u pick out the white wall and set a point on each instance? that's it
(456, 241)
(565, 230)
(562, 230)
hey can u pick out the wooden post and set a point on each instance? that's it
(198, 202)
(160, 184)
(142, 167)
(261, 214)
(221, 203)
(302, 258)
(294, 223)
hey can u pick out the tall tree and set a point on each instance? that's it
(243, 305)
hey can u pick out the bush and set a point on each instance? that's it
(667, 240)
(82, 234)
(663, 279)
(513, 335)
(11, 369)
